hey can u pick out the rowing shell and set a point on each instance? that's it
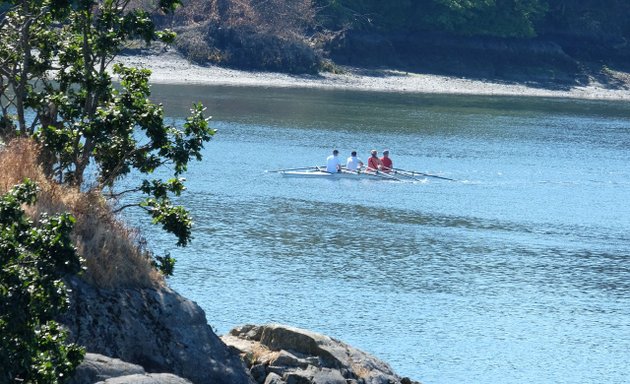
(337, 175)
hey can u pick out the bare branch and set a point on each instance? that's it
(112, 195)
(121, 208)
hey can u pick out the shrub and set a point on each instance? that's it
(271, 35)
(245, 47)
(113, 253)
(196, 47)
(35, 256)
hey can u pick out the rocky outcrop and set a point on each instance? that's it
(279, 354)
(99, 369)
(154, 328)
(154, 378)
(159, 337)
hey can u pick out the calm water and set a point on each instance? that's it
(518, 272)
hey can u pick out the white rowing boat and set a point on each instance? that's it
(344, 174)
(396, 174)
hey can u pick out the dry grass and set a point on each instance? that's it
(361, 371)
(112, 255)
(259, 354)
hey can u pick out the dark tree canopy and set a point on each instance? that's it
(500, 18)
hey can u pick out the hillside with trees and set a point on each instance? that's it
(535, 39)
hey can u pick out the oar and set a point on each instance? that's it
(292, 169)
(345, 170)
(406, 175)
(373, 174)
(383, 175)
(398, 173)
(412, 173)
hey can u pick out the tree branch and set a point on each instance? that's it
(119, 209)
(121, 193)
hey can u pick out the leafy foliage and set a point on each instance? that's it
(34, 260)
(55, 59)
(165, 264)
(588, 17)
(514, 18)
(499, 18)
(502, 18)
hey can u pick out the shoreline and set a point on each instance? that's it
(171, 68)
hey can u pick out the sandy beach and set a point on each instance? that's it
(170, 67)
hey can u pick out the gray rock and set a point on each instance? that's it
(315, 375)
(328, 376)
(153, 327)
(287, 359)
(301, 356)
(98, 367)
(242, 346)
(101, 369)
(153, 378)
(277, 369)
(296, 378)
(258, 372)
(272, 378)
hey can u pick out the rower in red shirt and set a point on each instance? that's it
(374, 163)
(386, 163)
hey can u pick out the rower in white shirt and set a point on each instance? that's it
(354, 163)
(333, 165)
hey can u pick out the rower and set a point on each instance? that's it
(354, 163)
(374, 163)
(333, 165)
(386, 163)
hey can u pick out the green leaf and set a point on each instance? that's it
(32, 345)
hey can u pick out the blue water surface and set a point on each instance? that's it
(516, 272)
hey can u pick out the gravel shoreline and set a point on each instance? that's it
(171, 68)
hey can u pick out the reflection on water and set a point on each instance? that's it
(406, 242)
(517, 272)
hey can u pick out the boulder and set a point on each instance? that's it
(297, 356)
(153, 378)
(273, 378)
(97, 367)
(101, 369)
(315, 375)
(287, 359)
(155, 328)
